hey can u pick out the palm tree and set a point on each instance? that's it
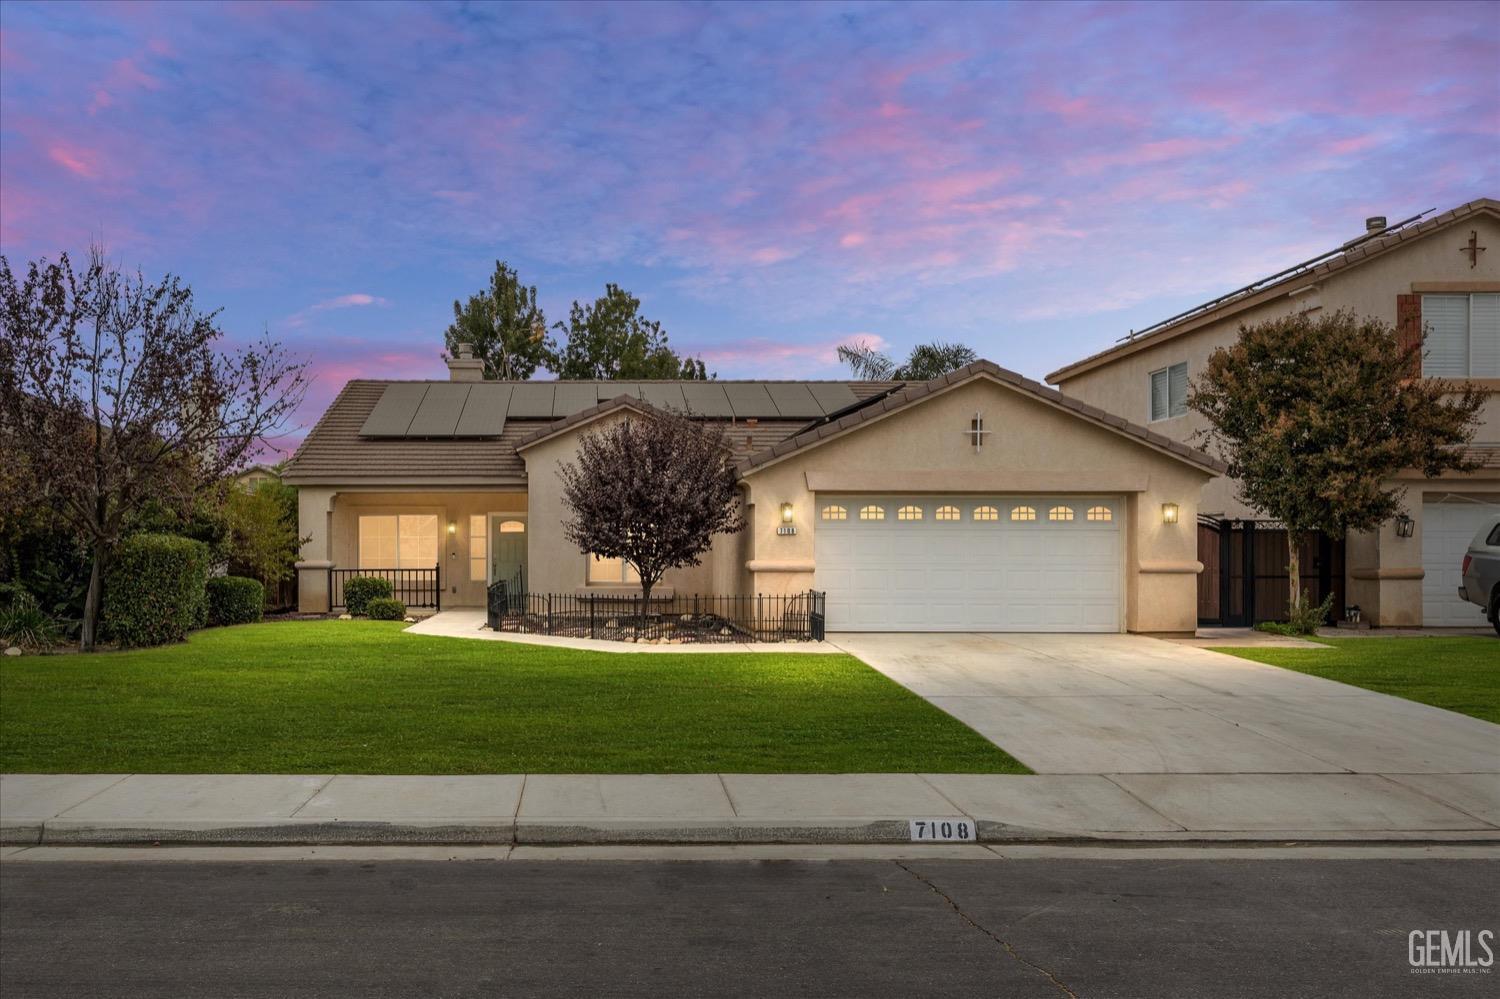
(926, 361)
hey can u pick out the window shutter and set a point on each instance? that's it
(1159, 395)
(1446, 320)
(1409, 328)
(1484, 336)
(1177, 388)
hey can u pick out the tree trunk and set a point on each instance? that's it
(91, 603)
(1294, 571)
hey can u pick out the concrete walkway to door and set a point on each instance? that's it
(1124, 704)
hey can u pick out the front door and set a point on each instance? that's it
(508, 550)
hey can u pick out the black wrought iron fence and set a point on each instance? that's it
(678, 619)
(413, 587)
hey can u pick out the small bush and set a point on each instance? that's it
(360, 590)
(154, 592)
(235, 600)
(24, 623)
(385, 609)
(1303, 621)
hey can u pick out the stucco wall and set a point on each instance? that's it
(1123, 385)
(557, 566)
(331, 520)
(1035, 447)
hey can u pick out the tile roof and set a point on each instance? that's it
(915, 393)
(334, 453)
(1341, 258)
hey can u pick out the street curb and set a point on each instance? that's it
(587, 832)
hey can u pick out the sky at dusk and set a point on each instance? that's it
(1034, 180)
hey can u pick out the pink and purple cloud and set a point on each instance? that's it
(1031, 179)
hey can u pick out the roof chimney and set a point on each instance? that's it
(1375, 223)
(464, 366)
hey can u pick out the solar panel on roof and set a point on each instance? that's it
(394, 411)
(484, 413)
(832, 395)
(707, 399)
(750, 399)
(613, 390)
(664, 396)
(531, 401)
(571, 398)
(438, 414)
(794, 400)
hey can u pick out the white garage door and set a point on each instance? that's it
(936, 563)
(1447, 529)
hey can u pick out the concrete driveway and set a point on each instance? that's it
(1123, 704)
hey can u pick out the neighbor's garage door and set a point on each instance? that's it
(902, 563)
(1447, 529)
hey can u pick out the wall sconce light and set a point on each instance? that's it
(452, 528)
(1169, 513)
(1404, 525)
(786, 513)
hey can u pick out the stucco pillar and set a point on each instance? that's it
(315, 523)
(1162, 560)
(1384, 572)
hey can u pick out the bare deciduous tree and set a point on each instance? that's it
(114, 391)
(652, 491)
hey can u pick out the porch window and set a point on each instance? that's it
(398, 541)
(611, 570)
(479, 547)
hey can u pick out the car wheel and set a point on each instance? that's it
(1495, 610)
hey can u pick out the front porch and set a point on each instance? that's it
(439, 550)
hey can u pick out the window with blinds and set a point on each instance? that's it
(398, 541)
(1463, 336)
(1169, 392)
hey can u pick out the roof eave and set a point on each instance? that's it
(915, 394)
(1367, 252)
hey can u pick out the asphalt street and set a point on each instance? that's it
(1220, 927)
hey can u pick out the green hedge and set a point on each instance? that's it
(360, 590)
(154, 592)
(385, 609)
(235, 600)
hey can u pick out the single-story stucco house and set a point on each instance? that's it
(981, 500)
(1434, 273)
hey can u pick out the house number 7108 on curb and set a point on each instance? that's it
(942, 830)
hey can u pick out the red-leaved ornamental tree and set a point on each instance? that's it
(651, 490)
(114, 392)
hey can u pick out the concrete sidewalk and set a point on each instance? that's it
(740, 808)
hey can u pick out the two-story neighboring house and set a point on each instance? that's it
(1436, 273)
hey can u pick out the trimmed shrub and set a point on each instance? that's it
(385, 609)
(24, 623)
(360, 590)
(154, 592)
(235, 600)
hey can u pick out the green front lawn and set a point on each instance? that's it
(360, 697)
(1460, 674)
